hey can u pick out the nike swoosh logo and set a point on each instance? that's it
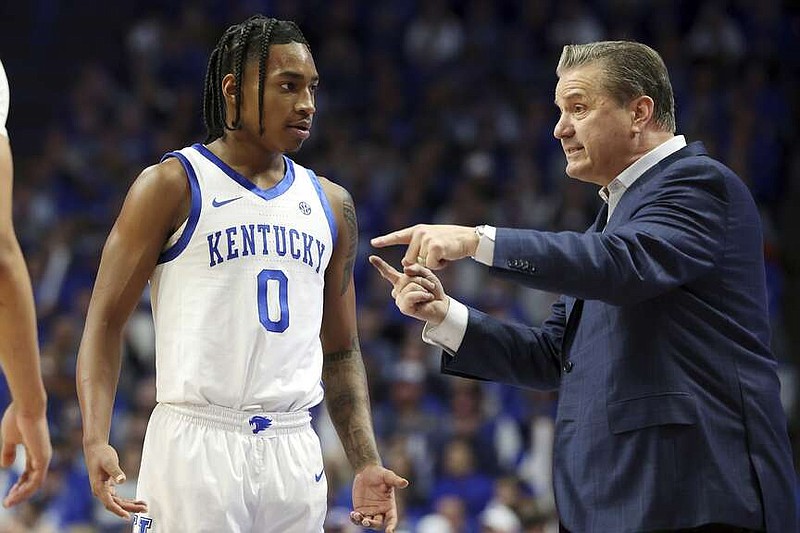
(215, 203)
(317, 477)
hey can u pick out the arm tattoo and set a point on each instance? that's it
(352, 229)
(347, 398)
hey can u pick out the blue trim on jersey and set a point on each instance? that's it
(194, 212)
(326, 206)
(267, 194)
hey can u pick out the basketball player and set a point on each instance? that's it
(250, 260)
(24, 421)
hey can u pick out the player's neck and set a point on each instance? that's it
(251, 161)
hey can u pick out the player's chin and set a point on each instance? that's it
(294, 146)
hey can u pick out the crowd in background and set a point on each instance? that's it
(428, 111)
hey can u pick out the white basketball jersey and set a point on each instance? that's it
(237, 294)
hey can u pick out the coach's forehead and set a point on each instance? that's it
(582, 81)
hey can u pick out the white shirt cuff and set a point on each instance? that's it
(484, 253)
(450, 333)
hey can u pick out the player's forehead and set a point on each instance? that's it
(291, 60)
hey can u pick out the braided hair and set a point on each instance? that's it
(239, 44)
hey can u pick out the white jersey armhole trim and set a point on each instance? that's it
(326, 205)
(194, 211)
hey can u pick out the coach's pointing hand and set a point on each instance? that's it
(432, 246)
(105, 474)
(417, 291)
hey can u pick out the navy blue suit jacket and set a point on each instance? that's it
(669, 413)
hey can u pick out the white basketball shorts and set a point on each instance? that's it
(213, 469)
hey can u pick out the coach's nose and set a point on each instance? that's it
(563, 128)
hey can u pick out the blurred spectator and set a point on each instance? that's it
(461, 476)
(499, 519)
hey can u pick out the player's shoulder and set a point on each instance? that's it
(337, 194)
(165, 182)
(166, 174)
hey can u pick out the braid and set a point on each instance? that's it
(262, 68)
(234, 50)
(238, 71)
(213, 100)
(211, 115)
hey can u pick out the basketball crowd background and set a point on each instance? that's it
(429, 110)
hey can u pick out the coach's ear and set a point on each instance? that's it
(641, 112)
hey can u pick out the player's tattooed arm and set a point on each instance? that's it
(349, 212)
(347, 399)
(343, 374)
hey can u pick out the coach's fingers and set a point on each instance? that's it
(387, 271)
(401, 236)
(434, 284)
(414, 290)
(418, 281)
(410, 236)
(410, 296)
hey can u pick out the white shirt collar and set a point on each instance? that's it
(626, 178)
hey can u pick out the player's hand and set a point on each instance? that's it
(104, 475)
(432, 246)
(374, 506)
(417, 291)
(30, 431)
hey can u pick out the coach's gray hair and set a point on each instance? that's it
(630, 70)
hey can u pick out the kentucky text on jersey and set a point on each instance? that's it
(263, 239)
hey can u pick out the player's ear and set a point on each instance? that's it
(229, 88)
(229, 94)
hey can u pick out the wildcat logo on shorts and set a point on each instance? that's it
(259, 423)
(304, 208)
(141, 524)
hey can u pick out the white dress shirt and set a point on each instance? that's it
(450, 333)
